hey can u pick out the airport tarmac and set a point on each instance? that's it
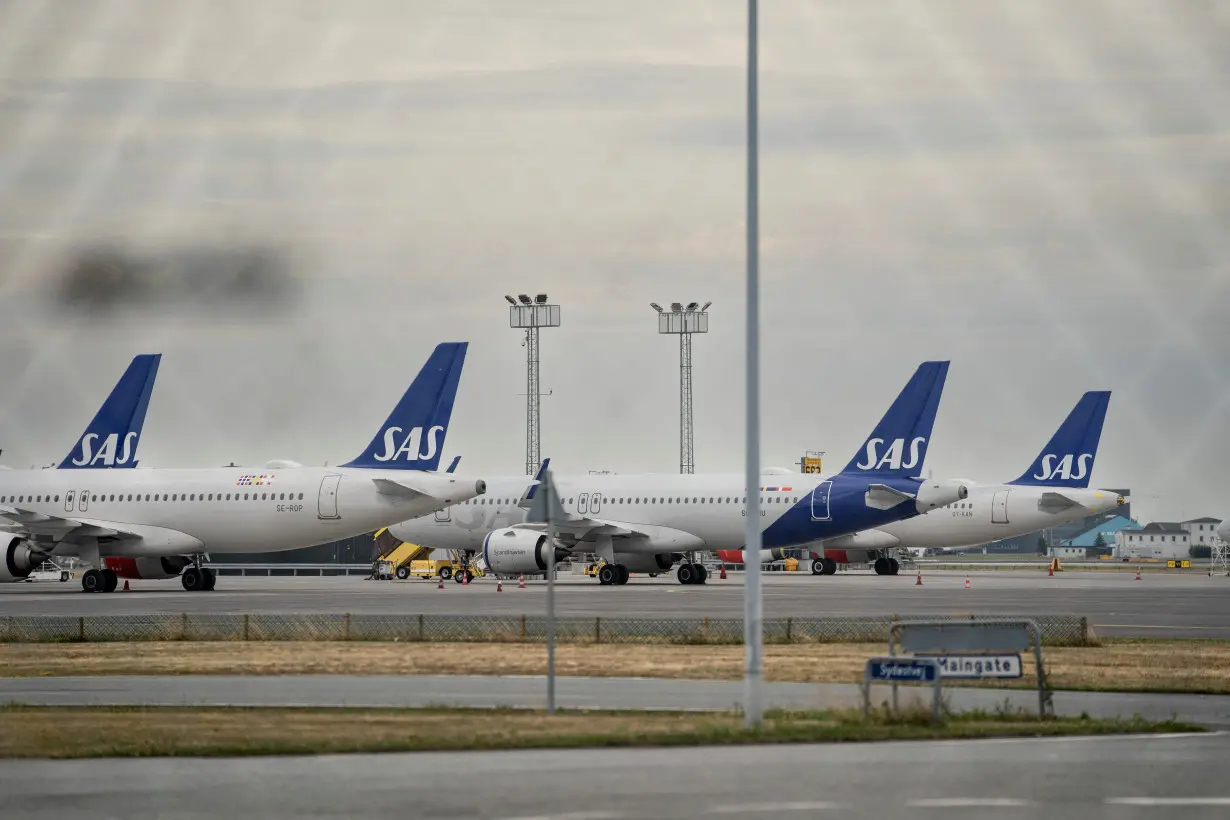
(1161, 605)
(1031, 779)
(529, 692)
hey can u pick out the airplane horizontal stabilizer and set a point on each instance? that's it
(1054, 502)
(884, 497)
(398, 489)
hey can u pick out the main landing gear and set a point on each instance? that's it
(198, 579)
(613, 575)
(692, 573)
(823, 566)
(887, 566)
(99, 580)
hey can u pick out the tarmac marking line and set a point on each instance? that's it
(1167, 801)
(968, 803)
(765, 808)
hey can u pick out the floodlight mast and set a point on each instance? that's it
(530, 315)
(684, 322)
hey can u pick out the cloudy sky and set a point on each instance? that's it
(1037, 191)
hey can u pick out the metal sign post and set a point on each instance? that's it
(546, 509)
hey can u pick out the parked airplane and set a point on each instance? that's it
(1053, 491)
(112, 437)
(648, 523)
(158, 523)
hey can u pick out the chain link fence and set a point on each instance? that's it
(1057, 630)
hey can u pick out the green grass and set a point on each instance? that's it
(81, 732)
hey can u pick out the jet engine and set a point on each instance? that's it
(740, 556)
(648, 562)
(933, 494)
(17, 559)
(512, 551)
(147, 568)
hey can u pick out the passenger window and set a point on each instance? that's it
(57, 498)
(300, 496)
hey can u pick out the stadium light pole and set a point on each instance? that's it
(753, 609)
(684, 322)
(530, 315)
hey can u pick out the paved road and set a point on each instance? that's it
(1161, 605)
(1126, 777)
(575, 693)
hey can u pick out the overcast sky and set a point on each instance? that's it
(1038, 191)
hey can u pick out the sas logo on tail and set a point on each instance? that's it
(408, 448)
(1063, 470)
(892, 459)
(106, 453)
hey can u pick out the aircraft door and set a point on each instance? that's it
(595, 503)
(68, 500)
(820, 502)
(327, 502)
(445, 515)
(999, 507)
(83, 501)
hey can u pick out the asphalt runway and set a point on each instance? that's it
(571, 693)
(1187, 605)
(1033, 779)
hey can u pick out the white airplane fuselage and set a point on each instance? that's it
(995, 512)
(219, 510)
(686, 512)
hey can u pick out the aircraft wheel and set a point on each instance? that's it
(211, 579)
(686, 574)
(609, 574)
(830, 566)
(702, 574)
(111, 580)
(819, 566)
(881, 566)
(624, 574)
(894, 566)
(93, 581)
(192, 579)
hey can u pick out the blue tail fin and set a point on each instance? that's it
(1067, 459)
(542, 469)
(897, 447)
(111, 439)
(413, 435)
(452, 467)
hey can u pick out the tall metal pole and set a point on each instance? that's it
(753, 609)
(532, 402)
(686, 461)
(549, 487)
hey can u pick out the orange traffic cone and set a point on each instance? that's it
(441, 586)
(522, 584)
(967, 582)
(722, 574)
(919, 583)
(1138, 573)
(1050, 571)
(465, 579)
(126, 587)
(499, 585)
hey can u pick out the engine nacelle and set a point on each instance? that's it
(18, 559)
(648, 562)
(513, 551)
(933, 494)
(147, 568)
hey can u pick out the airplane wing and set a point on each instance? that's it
(652, 538)
(52, 529)
(884, 497)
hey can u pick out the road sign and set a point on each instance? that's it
(963, 637)
(978, 666)
(903, 669)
